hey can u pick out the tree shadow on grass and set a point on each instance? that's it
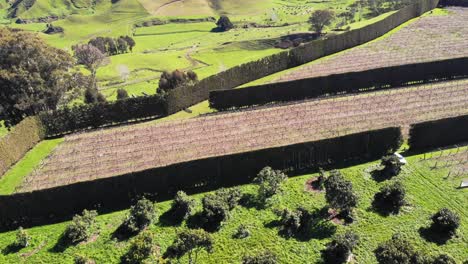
(122, 233)
(249, 201)
(434, 236)
(169, 218)
(197, 221)
(61, 245)
(380, 175)
(11, 249)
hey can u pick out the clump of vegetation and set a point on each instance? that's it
(241, 232)
(392, 166)
(216, 207)
(340, 195)
(390, 198)
(34, 77)
(141, 249)
(22, 238)
(266, 257)
(182, 207)
(111, 46)
(444, 259)
(290, 222)
(79, 259)
(445, 222)
(172, 80)
(141, 216)
(320, 19)
(224, 24)
(190, 243)
(269, 182)
(122, 94)
(320, 183)
(93, 96)
(340, 248)
(81, 227)
(396, 250)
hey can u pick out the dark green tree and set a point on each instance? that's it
(266, 257)
(141, 215)
(320, 19)
(34, 76)
(224, 24)
(81, 227)
(339, 249)
(141, 248)
(190, 243)
(446, 222)
(269, 182)
(390, 198)
(339, 193)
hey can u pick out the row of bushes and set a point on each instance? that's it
(350, 82)
(439, 133)
(115, 193)
(82, 117)
(185, 96)
(20, 140)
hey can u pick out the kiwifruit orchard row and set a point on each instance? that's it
(118, 151)
(432, 37)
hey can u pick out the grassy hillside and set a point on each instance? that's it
(427, 191)
(176, 45)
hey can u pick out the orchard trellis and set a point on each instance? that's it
(112, 152)
(430, 38)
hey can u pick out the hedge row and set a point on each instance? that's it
(351, 82)
(20, 140)
(183, 97)
(439, 133)
(82, 117)
(454, 3)
(55, 204)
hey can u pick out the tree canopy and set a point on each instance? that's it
(34, 77)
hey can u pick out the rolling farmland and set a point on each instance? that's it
(431, 37)
(118, 151)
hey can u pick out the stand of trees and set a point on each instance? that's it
(34, 76)
(113, 46)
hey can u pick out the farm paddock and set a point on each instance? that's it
(118, 151)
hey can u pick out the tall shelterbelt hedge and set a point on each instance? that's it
(439, 133)
(23, 137)
(351, 82)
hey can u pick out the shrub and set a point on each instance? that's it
(241, 232)
(390, 198)
(189, 242)
(290, 222)
(339, 249)
(269, 182)
(216, 206)
(339, 193)
(392, 165)
(81, 227)
(22, 238)
(182, 206)
(141, 215)
(141, 248)
(321, 179)
(172, 80)
(122, 94)
(396, 250)
(445, 221)
(92, 96)
(224, 24)
(266, 257)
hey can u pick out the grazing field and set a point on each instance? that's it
(427, 191)
(118, 151)
(436, 36)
